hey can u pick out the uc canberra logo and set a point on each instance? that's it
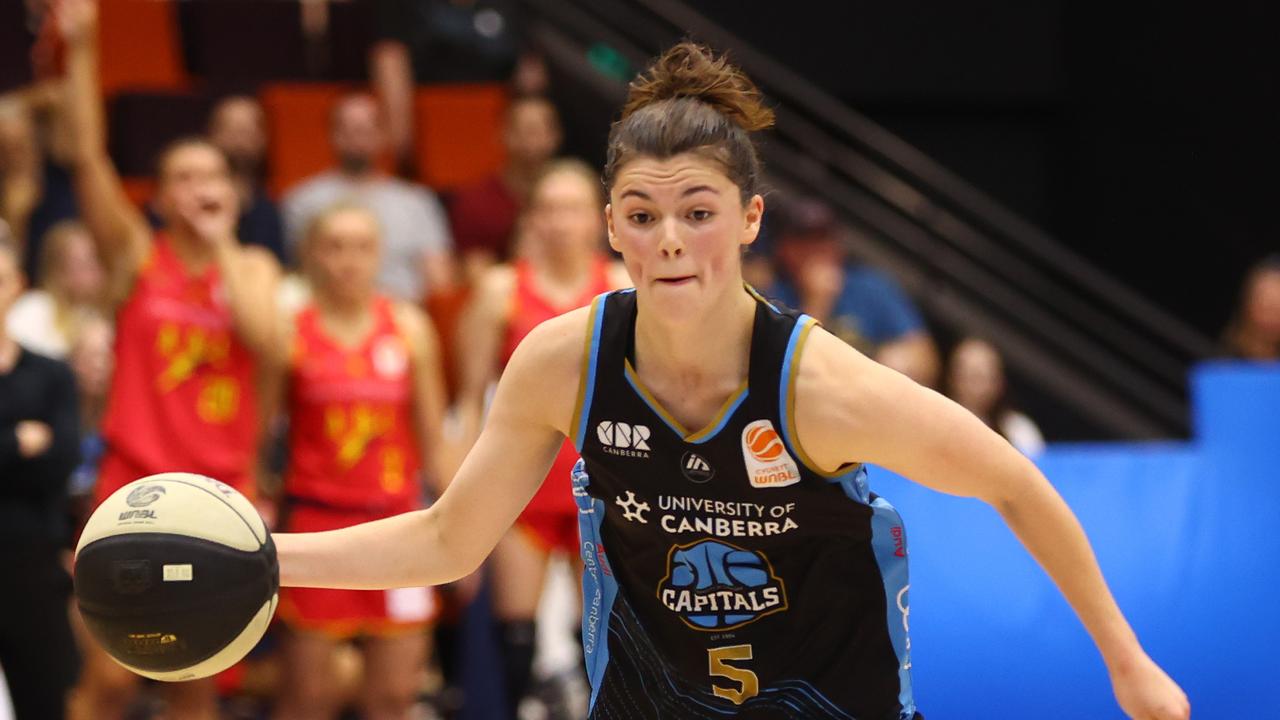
(713, 585)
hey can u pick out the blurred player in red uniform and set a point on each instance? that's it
(364, 393)
(194, 314)
(564, 268)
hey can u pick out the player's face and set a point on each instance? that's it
(11, 283)
(680, 225)
(196, 178)
(564, 214)
(344, 254)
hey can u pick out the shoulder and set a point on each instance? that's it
(496, 285)
(259, 262)
(836, 391)
(54, 371)
(413, 324)
(311, 189)
(547, 367)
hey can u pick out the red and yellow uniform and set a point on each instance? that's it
(182, 397)
(551, 517)
(353, 457)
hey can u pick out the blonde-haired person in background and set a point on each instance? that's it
(362, 386)
(735, 558)
(72, 287)
(564, 268)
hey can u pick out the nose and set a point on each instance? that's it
(670, 244)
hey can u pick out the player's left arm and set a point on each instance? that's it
(250, 275)
(850, 409)
(428, 390)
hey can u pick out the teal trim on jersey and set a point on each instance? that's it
(599, 589)
(589, 379)
(889, 542)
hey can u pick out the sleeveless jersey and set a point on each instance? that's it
(726, 576)
(182, 397)
(529, 309)
(352, 443)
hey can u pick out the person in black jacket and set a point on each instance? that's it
(39, 447)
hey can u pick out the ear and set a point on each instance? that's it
(608, 221)
(754, 215)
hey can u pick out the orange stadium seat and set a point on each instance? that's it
(459, 133)
(141, 49)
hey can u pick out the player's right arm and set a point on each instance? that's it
(120, 230)
(527, 422)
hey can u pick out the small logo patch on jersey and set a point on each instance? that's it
(623, 439)
(390, 359)
(696, 468)
(715, 586)
(632, 509)
(768, 462)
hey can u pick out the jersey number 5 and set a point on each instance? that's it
(749, 684)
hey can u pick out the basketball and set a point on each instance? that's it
(176, 576)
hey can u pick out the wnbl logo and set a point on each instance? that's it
(713, 585)
(623, 439)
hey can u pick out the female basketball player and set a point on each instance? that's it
(736, 561)
(193, 317)
(364, 401)
(565, 268)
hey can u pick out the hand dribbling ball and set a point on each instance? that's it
(176, 576)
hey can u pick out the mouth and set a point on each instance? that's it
(676, 280)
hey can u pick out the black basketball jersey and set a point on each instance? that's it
(725, 575)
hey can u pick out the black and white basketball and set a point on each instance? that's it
(176, 576)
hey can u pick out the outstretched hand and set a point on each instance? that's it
(77, 20)
(1145, 692)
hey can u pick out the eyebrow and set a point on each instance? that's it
(686, 193)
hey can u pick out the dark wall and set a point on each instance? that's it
(1139, 134)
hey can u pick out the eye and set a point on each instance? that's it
(640, 218)
(700, 215)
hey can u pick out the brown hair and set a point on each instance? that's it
(186, 141)
(691, 100)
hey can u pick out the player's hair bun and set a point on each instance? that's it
(690, 70)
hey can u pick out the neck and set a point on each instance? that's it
(715, 345)
(567, 267)
(191, 251)
(343, 309)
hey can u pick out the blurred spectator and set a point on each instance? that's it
(38, 439)
(1254, 332)
(860, 305)
(92, 362)
(194, 312)
(237, 126)
(35, 184)
(564, 268)
(443, 41)
(19, 165)
(364, 398)
(483, 216)
(975, 379)
(73, 282)
(417, 251)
